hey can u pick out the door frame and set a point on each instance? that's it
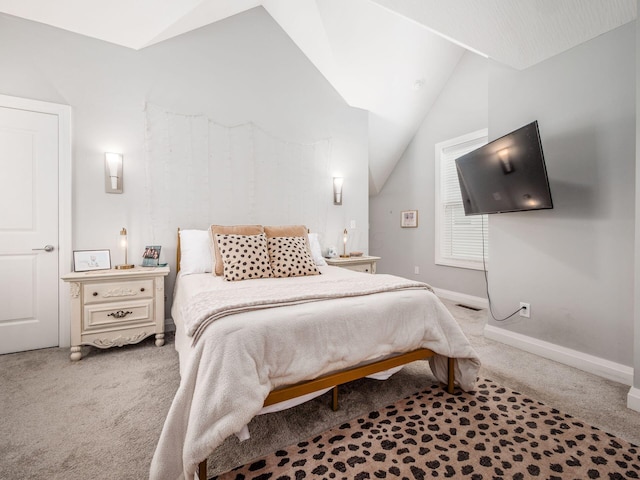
(65, 185)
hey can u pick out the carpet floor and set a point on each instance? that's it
(492, 433)
(101, 417)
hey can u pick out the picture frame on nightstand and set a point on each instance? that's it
(89, 260)
(151, 256)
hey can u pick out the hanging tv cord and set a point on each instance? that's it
(486, 282)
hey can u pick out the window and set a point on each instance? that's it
(459, 239)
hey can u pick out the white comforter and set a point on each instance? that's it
(239, 359)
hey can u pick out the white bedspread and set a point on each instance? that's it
(209, 306)
(239, 359)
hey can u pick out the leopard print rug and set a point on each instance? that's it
(492, 433)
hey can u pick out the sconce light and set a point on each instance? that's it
(113, 172)
(124, 244)
(337, 190)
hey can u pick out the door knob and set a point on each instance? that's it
(47, 248)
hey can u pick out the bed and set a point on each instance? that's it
(260, 356)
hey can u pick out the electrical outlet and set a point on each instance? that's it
(416, 270)
(525, 310)
(353, 224)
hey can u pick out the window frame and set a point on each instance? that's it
(478, 138)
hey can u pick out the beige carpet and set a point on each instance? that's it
(100, 418)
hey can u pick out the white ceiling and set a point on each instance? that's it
(389, 57)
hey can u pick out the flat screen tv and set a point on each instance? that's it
(505, 175)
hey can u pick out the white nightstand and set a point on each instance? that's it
(359, 264)
(116, 307)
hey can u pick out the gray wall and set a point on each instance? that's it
(242, 69)
(461, 108)
(573, 264)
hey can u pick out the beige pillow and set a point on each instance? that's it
(288, 231)
(244, 256)
(290, 257)
(285, 231)
(229, 230)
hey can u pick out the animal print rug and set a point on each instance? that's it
(492, 433)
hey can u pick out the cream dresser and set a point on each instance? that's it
(359, 264)
(116, 307)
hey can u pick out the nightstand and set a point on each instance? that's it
(112, 308)
(359, 264)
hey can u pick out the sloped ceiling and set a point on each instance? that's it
(389, 57)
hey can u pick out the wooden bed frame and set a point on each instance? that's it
(339, 378)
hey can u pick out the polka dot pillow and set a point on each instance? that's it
(244, 256)
(290, 257)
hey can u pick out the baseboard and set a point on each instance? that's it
(583, 361)
(633, 399)
(470, 300)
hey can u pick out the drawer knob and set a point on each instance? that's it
(142, 289)
(119, 314)
(95, 294)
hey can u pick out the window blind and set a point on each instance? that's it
(460, 237)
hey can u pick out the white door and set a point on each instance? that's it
(28, 230)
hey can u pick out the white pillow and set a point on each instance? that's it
(195, 252)
(316, 250)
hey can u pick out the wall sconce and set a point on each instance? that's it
(124, 244)
(337, 190)
(113, 172)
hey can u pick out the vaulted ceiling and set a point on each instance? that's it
(389, 57)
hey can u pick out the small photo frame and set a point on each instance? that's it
(151, 256)
(88, 260)
(409, 219)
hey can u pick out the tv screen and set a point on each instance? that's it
(505, 175)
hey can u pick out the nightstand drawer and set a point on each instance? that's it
(366, 268)
(117, 291)
(106, 315)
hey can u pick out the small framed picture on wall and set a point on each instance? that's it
(409, 219)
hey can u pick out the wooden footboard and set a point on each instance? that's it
(345, 376)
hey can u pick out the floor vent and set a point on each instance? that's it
(468, 307)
